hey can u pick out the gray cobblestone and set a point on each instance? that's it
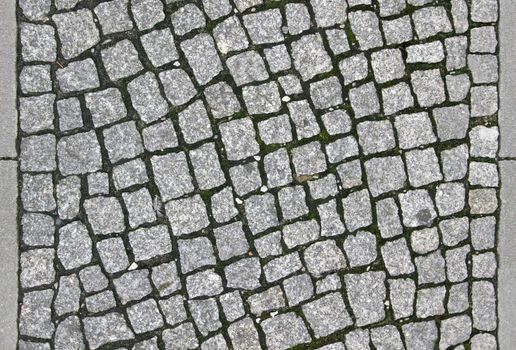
(254, 175)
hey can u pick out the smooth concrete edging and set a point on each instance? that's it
(8, 254)
(507, 86)
(507, 258)
(8, 113)
(8, 178)
(506, 231)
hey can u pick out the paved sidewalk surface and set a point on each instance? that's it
(258, 174)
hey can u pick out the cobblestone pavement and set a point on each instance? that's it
(257, 174)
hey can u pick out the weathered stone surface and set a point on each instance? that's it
(256, 175)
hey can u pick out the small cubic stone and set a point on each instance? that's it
(262, 99)
(304, 119)
(323, 257)
(360, 248)
(93, 279)
(298, 289)
(121, 60)
(264, 26)
(285, 331)
(428, 86)
(414, 130)
(417, 208)
(195, 253)
(269, 245)
(177, 185)
(329, 12)
(364, 100)
(70, 114)
(113, 16)
(38, 153)
(159, 136)
(113, 254)
(187, 18)
(145, 316)
(104, 215)
(173, 309)
(205, 314)
(123, 141)
(35, 79)
(430, 268)
(309, 159)
(148, 243)
(194, 123)
(36, 113)
(182, 337)
(159, 47)
(147, 13)
(78, 76)
(207, 169)
(202, 56)
(177, 86)
(38, 42)
(430, 21)
(223, 205)
(277, 167)
(230, 240)
(387, 65)
(245, 178)
(298, 18)
(77, 32)
(422, 167)
(105, 329)
(221, 100)
(37, 193)
(397, 30)
(230, 36)
(365, 26)
(310, 57)
(105, 106)
(247, 67)
(396, 258)
(338, 41)
(166, 279)
(278, 58)
(146, 99)
(187, 215)
(385, 174)
(37, 267)
(129, 173)
(79, 153)
(244, 274)
(292, 201)
(133, 285)
(239, 138)
(275, 130)
(430, 302)
(326, 93)
(74, 248)
(397, 98)
(354, 68)
(366, 293)
(357, 213)
(327, 315)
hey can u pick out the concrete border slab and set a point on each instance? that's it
(507, 124)
(8, 178)
(8, 113)
(8, 254)
(507, 260)
(506, 117)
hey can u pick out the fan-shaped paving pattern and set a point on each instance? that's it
(258, 174)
